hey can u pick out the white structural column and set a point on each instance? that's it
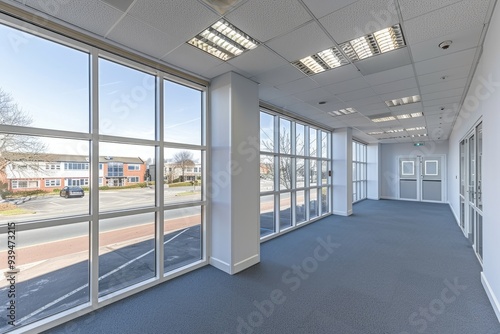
(373, 171)
(342, 171)
(234, 175)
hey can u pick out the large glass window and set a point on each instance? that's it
(295, 173)
(359, 177)
(95, 206)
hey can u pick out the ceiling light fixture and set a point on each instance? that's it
(379, 42)
(416, 129)
(342, 112)
(412, 115)
(403, 101)
(223, 40)
(375, 133)
(321, 61)
(384, 119)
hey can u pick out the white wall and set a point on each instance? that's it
(389, 162)
(483, 99)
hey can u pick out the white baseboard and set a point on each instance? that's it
(247, 263)
(342, 213)
(237, 267)
(491, 295)
(454, 214)
(221, 265)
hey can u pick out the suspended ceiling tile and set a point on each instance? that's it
(301, 42)
(368, 110)
(384, 62)
(360, 18)
(442, 102)
(391, 75)
(122, 5)
(179, 19)
(285, 101)
(346, 86)
(298, 86)
(462, 40)
(449, 74)
(331, 105)
(453, 60)
(268, 92)
(357, 94)
(336, 75)
(321, 8)
(142, 37)
(313, 96)
(257, 61)
(407, 108)
(280, 75)
(212, 72)
(399, 94)
(192, 59)
(443, 94)
(93, 15)
(395, 86)
(305, 109)
(411, 8)
(266, 19)
(373, 102)
(463, 15)
(444, 85)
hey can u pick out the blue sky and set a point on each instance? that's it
(51, 82)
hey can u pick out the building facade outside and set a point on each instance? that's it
(53, 171)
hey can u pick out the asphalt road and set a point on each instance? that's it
(53, 206)
(68, 287)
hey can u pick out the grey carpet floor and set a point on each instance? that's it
(393, 267)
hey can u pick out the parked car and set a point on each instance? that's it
(73, 191)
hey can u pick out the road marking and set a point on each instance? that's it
(69, 294)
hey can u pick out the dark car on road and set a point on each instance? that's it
(73, 191)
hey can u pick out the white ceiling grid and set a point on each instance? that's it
(289, 30)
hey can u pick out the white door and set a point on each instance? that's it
(421, 178)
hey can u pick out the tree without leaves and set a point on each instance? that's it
(18, 149)
(285, 163)
(182, 160)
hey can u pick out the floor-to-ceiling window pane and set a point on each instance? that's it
(359, 176)
(300, 207)
(267, 215)
(285, 208)
(295, 178)
(182, 239)
(126, 251)
(126, 101)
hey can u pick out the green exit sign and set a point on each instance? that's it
(418, 144)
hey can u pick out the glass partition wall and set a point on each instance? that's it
(359, 177)
(295, 173)
(102, 175)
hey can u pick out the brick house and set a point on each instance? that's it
(52, 171)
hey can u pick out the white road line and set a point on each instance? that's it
(43, 308)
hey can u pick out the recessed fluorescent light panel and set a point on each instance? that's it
(384, 119)
(403, 101)
(412, 115)
(379, 42)
(416, 129)
(321, 61)
(341, 112)
(223, 40)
